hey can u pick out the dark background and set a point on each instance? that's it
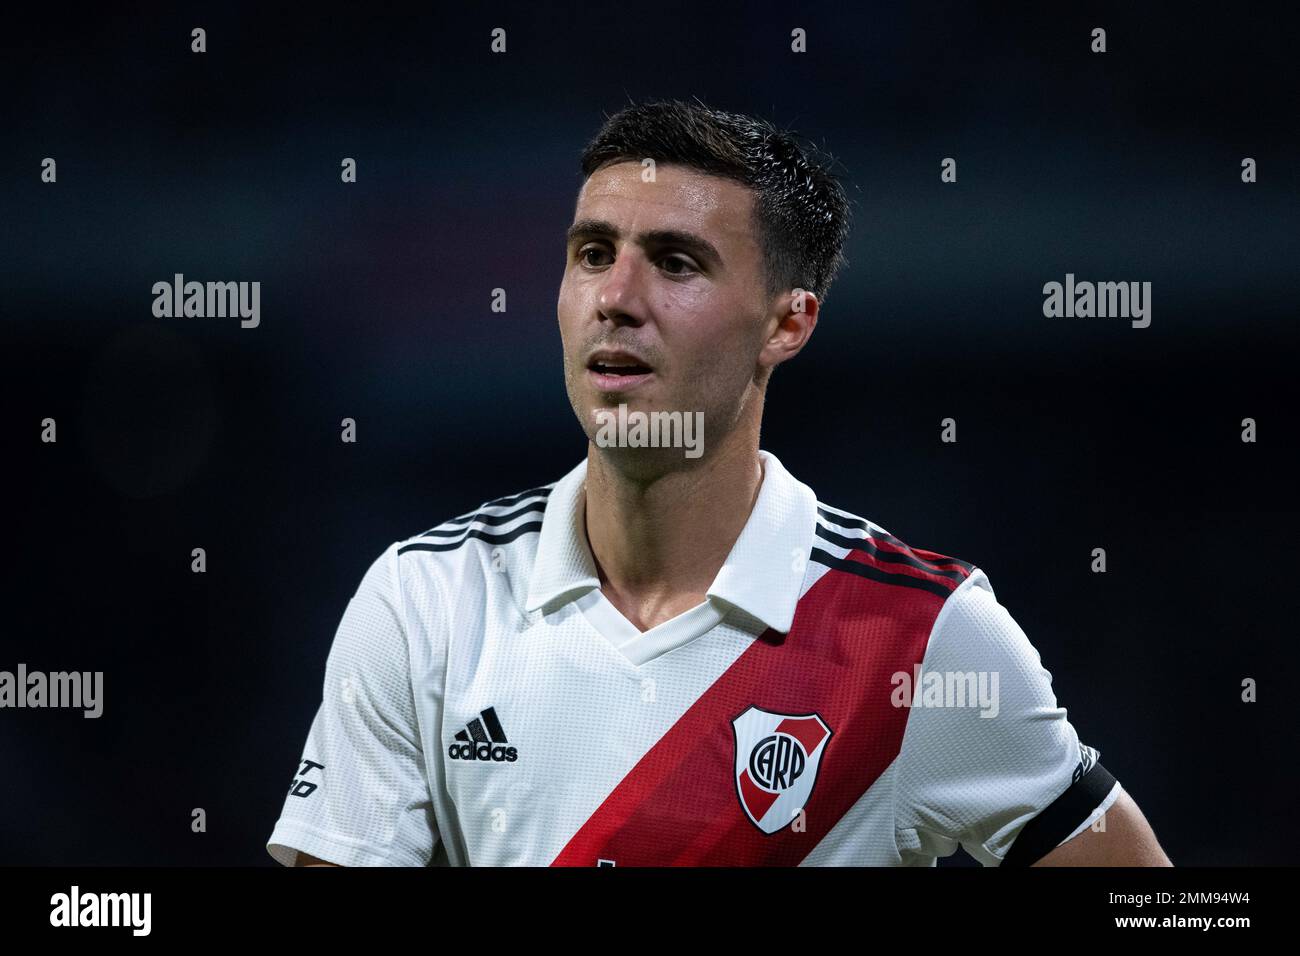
(1073, 433)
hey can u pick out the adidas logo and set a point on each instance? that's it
(483, 739)
(1087, 757)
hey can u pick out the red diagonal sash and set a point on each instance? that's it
(679, 805)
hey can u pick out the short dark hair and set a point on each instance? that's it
(800, 208)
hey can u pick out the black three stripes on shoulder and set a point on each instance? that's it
(954, 569)
(478, 525)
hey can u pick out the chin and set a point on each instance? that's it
(646, 465)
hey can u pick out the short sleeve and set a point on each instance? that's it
(987, 749)
(360, 793)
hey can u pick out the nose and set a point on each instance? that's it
(621, 298)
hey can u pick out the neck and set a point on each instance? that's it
(659, 542)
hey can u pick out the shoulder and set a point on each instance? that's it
(496, 540)
(850, 544)
(499, 521)
(497, 533)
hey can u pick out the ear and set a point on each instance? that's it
(789, 326)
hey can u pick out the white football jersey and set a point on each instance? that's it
(840, 698)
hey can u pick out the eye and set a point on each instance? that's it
(686, 267)
(587, 251)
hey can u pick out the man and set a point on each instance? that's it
(684, 658)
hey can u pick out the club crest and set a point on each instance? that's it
(777, 756)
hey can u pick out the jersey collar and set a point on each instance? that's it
(762, 575)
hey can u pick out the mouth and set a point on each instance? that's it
(617, 371)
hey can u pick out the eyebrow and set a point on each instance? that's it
(697, 246)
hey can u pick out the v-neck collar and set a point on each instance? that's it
(642, 646)
(762, 575)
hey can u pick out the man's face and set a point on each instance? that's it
(663, 303)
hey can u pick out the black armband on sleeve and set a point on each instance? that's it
(1041, 835)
